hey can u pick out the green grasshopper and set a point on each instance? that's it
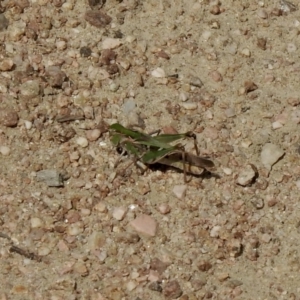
(149, 149)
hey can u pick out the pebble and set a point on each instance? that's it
(111, 43)
(262, 14)
(44, 251)
(55, 76)
(82, 142)
(95, 241)
(216, 76)
(119, 213)
(291, 47)
(196, 81)
(145, 225)
(3, 22)
(164, 208)
(250, 86)
(93, 135)
(172, 290)
(30, 89)
(6, 65)
(158, 73)
(128, 106)
(215, 231)
(75, 229)
(179, 191)
(270, 154)
(4, 150)
(97, 18)
(131, 285)
(50, 177)
(247, 175)
(189, 105)
(36, 222)
(113, 87)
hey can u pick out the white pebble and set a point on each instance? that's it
(61, 45)
(291, 47)
(82, 141)
(158, 73)
(4, 150)
(28, 124)
(246, 52)
(36, 223)
(276, 125)
(110, 43)
(43, 251)
(131, 285)
(189, 105)
(227, 171)
(246, 176)
(270, 154)
(119, 213)
(215, 231)
(75, 229)
(179, 191)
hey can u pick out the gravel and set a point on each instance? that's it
(228, 71)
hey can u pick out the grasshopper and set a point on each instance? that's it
(148, 149)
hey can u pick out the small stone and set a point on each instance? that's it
(6, 65)
(215, 231)
(155, 286)
(95, 241)
(131, 285)
(291, 47)
(30, 89)
(262, 43)
(250, 86)
(262, 14)
(235, 247)
(277, 125)
(158, 73)
(158, 265)
(164, 208)
(196, 81)
(216, 76)
(246, 52)
(111, 43)
(61, 45)
(93, 135)
(36, 222)
(179, 191)
(128, 106)
(82, 142)
(113, 87)
(28, 124)
(50, 177)
(119, 213)
(3, 22)
(247, 175)
(189, 105)
(270, 154)
(4, 150)
(80, 268)
(55, 76)
(145, 225)
(257, 202)
(44, 251)
(97, 18)
(85, 51)
(204, 266)
(75, 229)
(172, 290)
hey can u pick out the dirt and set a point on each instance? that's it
(74, 226)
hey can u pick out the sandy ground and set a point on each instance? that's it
(229, 71)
